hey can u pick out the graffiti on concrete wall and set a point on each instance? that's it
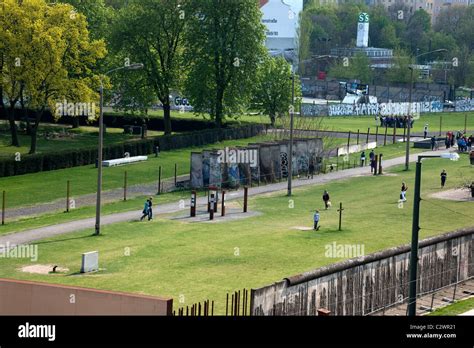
(196, 170)
(215, 172)
(284, 160)
(385, 109)
(464, 105)
(233, 175)
(272, 164)
(314, 110)
(206, 156)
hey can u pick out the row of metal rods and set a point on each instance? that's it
(238, 303)
(207, 309)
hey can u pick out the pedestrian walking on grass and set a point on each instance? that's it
(146, 208)
(316, 220)
(326, 199)
(425, 131)
(403, 193)
(150, 210)
(444, 176)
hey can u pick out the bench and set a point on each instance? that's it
(122, 161)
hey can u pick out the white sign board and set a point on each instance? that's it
(90, 262)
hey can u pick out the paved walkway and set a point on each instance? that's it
(28, 236)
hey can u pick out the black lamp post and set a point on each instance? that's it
(101, 143)
(416, 228)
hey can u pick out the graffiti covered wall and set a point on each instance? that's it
(263, 162)
(385, 109)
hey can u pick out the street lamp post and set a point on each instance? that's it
(292, 112)
(416, 228)
(101, 143)
(407, 152)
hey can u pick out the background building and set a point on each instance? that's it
(281, 19)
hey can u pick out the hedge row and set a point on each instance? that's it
(86, 156)
(119, 121)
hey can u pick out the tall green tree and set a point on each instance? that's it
(274, 88)
(399, 72)
(224, 46)
(356, 68)
(151, 32)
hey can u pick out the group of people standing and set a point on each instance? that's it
(396, 122)
(463, 141)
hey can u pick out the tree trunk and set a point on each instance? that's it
(75, 122)
(34, 132)
(13, 128)
(219, 107)
(167, 116)
(272, 120)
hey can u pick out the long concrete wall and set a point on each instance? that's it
(366, 284)
(19, 297)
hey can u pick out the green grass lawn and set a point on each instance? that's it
(456, 308)
(205, 261)
(81, 137)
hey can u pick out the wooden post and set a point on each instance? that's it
(175, 175)
(232, 306)
(380, 164)
(367, 139)
(358, 133)
(227, 305)
(159, 180)
(125, 186)
(348, 141)
(465, 123)
(3, 207)
(67, 196)
(394, 134)
(211, 210)
(223, 203)
(404, 132)
(440, 124)
(340, 215)
(246, 192)
(216, 199)
(376, 164)
(193, 204)
(385, 138)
